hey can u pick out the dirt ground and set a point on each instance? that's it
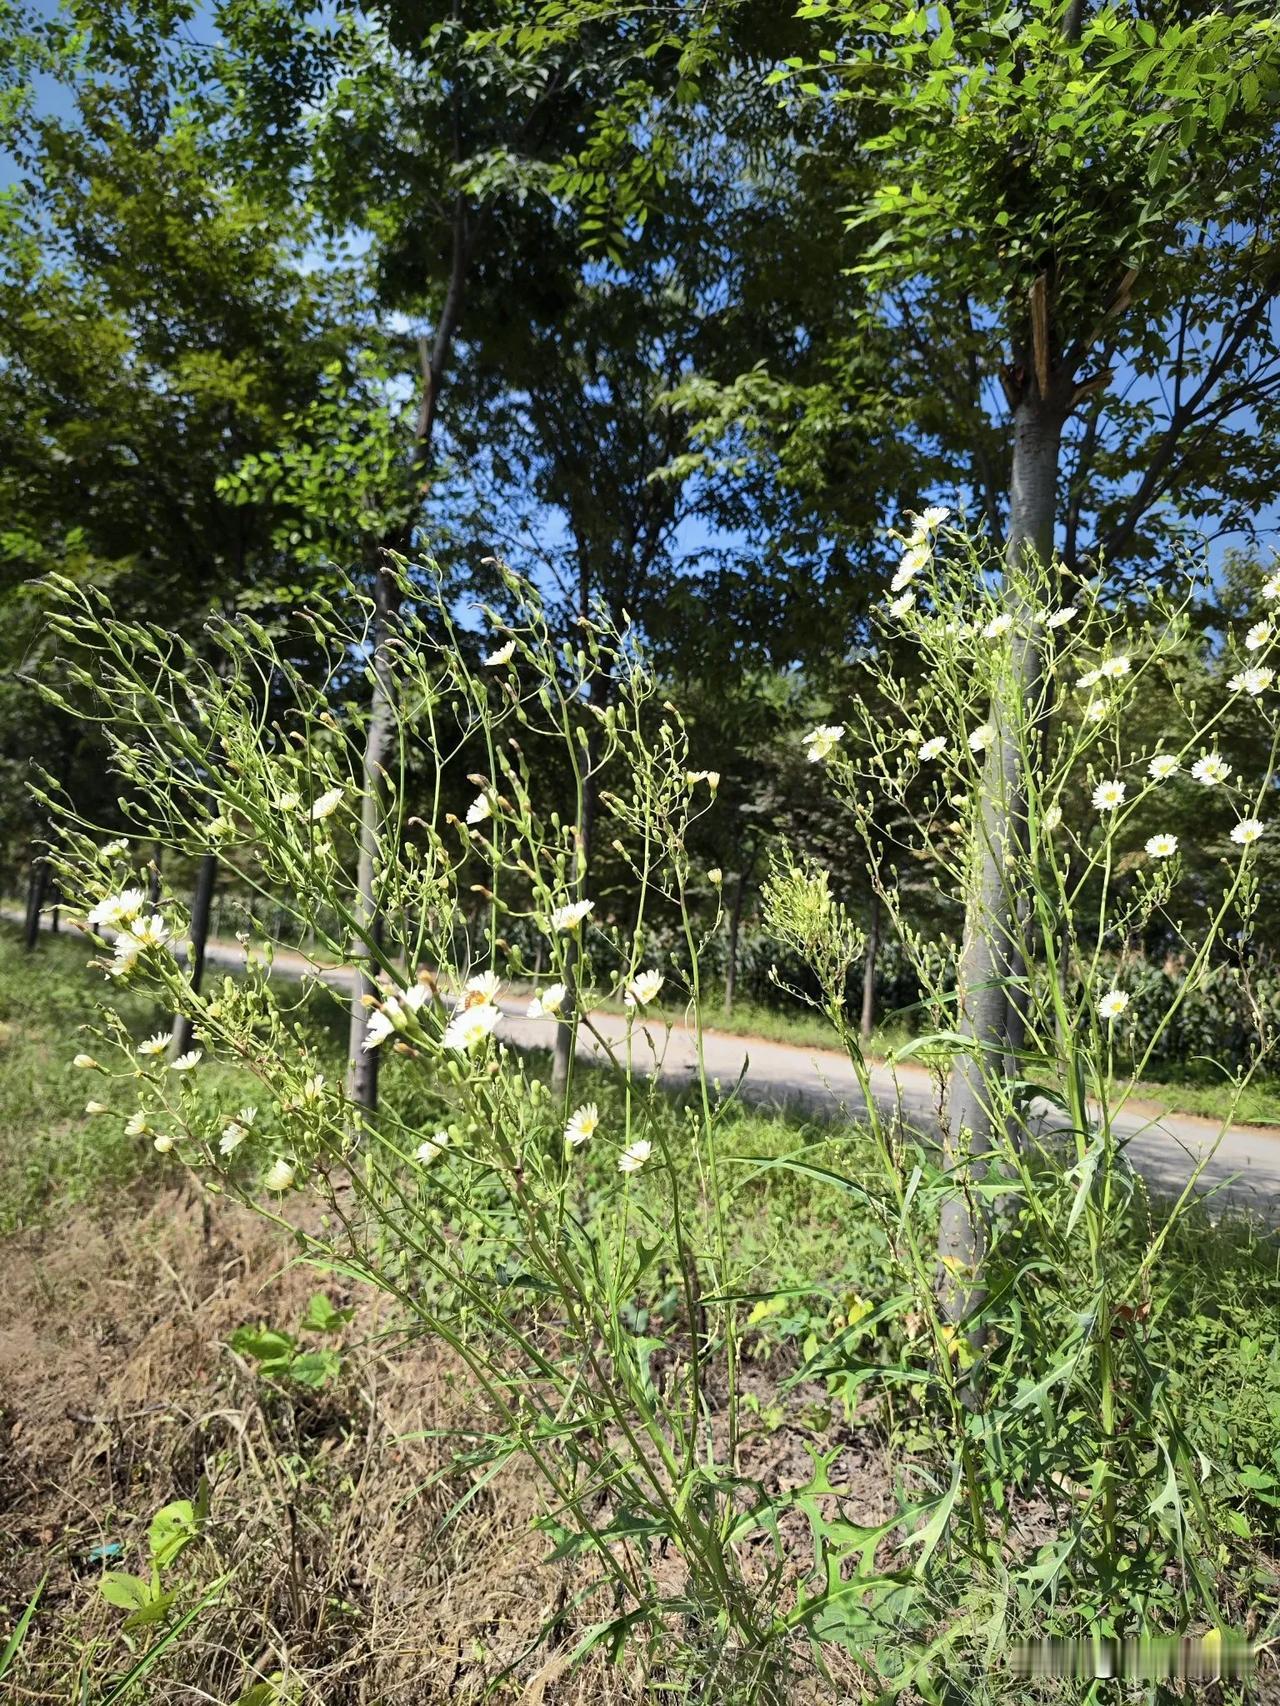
(364, 1565)
(356, 1574)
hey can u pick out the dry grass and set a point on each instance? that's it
(354, 1571)
(120, 1391)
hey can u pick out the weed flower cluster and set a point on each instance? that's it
(520, 1223)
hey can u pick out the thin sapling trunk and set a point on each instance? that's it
(201, 907)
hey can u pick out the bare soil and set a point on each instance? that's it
(366, 1568)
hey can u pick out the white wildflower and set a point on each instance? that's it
(933, 748)
(479, 809)
(1113, 1004)
(290, 801)
(581, 1125)
(125, 950)
(1210, 769)
(471, 1026)
(116, 910)
(1162, 766)
(635, 1155)
(185, 1062)
(326, 805)
(503, 654)
(569, 917)
(643, 988)
(548, 1003)
(431, 1147)
(1060, 618)
(137, 1125)
(998, 626)
(1247, 831)
(1271, 588)
(903, 605)
(982, 737)
(280, 1175)
(155, 1045)
(914, 558)
(1114, 668)
(485, 986)
(1162, 846)
(150, 932)
(380, 1024)
(1090, 678)
(1252, 681)
(1257, 636)
(823, 741)
(1108, 795)
(233, 1135)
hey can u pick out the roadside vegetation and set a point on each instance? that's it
(559, 523)
(143, 1323)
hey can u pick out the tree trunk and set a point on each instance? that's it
(867, 1022)
(201, 905)
(567, 1026)
(362, 1063)
(992, 969)
(37, 886)
(735, 930)
(433, 355)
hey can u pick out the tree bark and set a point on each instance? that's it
(561, 1056)
(992, 965)
(201, 906)
(37, 886)
(433, 354)
(735, 930)
(867, 1020)
(362, 1063)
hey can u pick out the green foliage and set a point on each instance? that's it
(280, 1356)
(617, 1259)
(173, 1528)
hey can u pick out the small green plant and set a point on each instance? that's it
(280, 1356)
(154, 1618)
(148, 1599)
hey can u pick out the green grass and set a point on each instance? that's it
(52, 1154)
(806, 1258)
(1257, 1104)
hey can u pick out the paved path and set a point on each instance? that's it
(1244, 1161)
